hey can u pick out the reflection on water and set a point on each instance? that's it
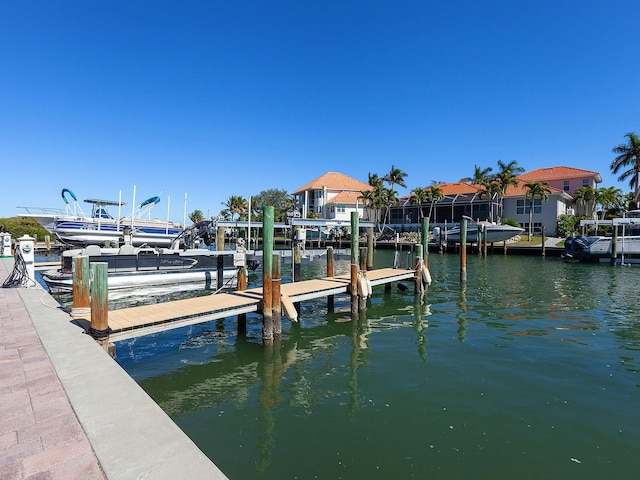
(527, 371)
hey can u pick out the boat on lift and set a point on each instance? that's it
(600, 248)
(72, 226)
(495, 232)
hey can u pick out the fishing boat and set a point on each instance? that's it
(140, 267)
(623, 248)
(72, 226)
(495, 232)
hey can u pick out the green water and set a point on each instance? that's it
(530, 371)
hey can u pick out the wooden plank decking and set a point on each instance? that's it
(146, 319)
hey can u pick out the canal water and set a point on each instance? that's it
(528, 371)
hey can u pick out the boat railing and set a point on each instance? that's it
(44, 211)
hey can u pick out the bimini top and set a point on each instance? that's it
(96, 201)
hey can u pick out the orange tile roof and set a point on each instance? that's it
(347, 198)
(461, 188)
(335, 181)
(556, 173)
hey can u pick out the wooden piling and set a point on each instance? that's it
(355, 229)
(220, 258)
(369, 248)
(80, 288)
(463, 250)
(242, 286)
(543, 242)
(330, 273)
(276, 304)
(419, 286)
(425, 241)
(614, 247)
(484, 240)
(267, 268)
(296, 262)
(99, 302)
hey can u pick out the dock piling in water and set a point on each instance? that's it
(276, 291)
(354, 263)
(463, 250)
(267, 266)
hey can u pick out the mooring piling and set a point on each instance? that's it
(277, 303)
(463, 250)
(354, 263)
(80, 287)
(99, 329)
(267, 268)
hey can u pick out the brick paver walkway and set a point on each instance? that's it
(40, 436)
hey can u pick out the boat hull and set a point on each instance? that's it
(58, 282)
(495, 233)
(599, 249)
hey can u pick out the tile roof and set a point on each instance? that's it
(334, 181)
(557, 173)
(347, 198)
(461, 188)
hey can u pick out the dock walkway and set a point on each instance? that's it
(143, 320)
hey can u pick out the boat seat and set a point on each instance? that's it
(127, 250)
(92, 250)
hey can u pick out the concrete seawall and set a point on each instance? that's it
(107, 426)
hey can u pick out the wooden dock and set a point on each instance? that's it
(147, 319)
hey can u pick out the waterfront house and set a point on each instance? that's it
(331, 196)
(463, 199)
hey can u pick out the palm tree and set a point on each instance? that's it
(490, 190)
(586, 197)
(236, 204)
(419, 197)
(434, 194)
(480, 176)
(196, 216)
(609, 198)
(629, 158)
(536, 189)
(395, 177)
(506, 177)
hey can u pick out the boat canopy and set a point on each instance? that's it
(107, 203)
(153, 200)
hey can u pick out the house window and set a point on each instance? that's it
(566, 186)
(585, 182)
(340, 209)
(523, 206)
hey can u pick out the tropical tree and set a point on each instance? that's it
(196, 216)
(279, 199)
(536, 189)
(419, 197)
(434, 194)
(609, 198)
(480, 176)
(628, 158)
(236, 205)
(395, 177)
(490, 190)
(506, 177)
(586, 197)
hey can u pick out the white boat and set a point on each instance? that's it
(495, 232)
(72, 226)
(599, 248)
(135, 267)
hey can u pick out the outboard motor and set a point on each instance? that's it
(436, 235)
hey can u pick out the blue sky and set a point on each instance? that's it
(218, 98)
